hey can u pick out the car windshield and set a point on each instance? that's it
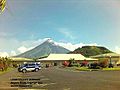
(24, 65)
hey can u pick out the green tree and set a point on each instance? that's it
(71, 62)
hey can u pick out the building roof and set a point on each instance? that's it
(107, 55)
(20, 59)
(66, 57)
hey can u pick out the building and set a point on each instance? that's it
(111, 57)
(58, 59)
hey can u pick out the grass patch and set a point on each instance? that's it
(111, 69)
(104, 69)
(87, 69)
(9, 69)
(83, 69)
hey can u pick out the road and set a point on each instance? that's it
(61, 79)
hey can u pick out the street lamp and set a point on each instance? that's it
(110, 64)
(110, 60)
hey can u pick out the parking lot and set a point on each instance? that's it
(61, 79)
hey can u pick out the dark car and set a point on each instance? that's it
(94, 66)
(110, 65)
(29, 67)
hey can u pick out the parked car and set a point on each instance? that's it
(118, 64)
(94, 66)
(29, 67)
(110, 65)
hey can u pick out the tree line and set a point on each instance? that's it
(5, 62)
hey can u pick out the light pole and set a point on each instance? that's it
(110, 64)
(110, 60)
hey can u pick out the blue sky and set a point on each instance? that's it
(25, 23)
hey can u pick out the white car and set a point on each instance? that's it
(29, 67)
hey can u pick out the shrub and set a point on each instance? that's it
(4, 63)
(103, 63)
(15, 65)
(65, 63)
(76, 65)
(71, 62)
(84, 63)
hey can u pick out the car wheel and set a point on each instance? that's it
(24, 71)
(36, 69)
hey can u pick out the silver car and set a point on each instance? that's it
(29, 67)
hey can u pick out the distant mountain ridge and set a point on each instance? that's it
(91, 50)
(44, 49)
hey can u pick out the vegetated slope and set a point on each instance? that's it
(91, 50)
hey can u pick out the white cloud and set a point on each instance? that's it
(17, 47)
(4, 54)
(72, 47)
(30, 44)
(67, 33)
(23, 49)
(9, 44)
(117, 49)
(13, 53)
(68, 46)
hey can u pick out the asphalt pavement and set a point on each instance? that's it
(60, 79)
